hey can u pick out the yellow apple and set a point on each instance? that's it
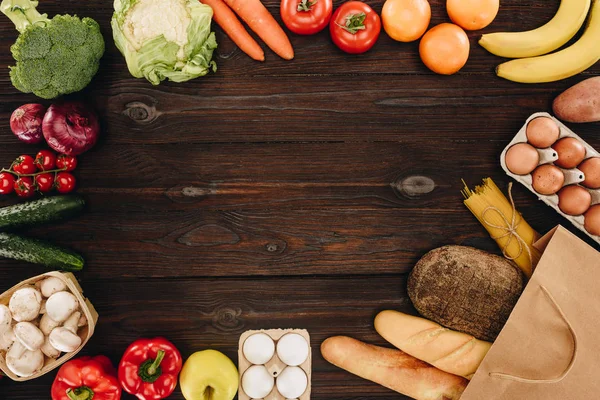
(209, 375)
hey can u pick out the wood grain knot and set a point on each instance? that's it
(272, 247)
(209, 235)
(228, 319)
(413, 186)
(140, 112)
(192, 191)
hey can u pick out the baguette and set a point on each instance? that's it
(450, 351)
(393, 369)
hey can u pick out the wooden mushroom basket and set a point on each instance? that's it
(85, 332)
(275, 366)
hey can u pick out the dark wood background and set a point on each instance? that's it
(279, 194)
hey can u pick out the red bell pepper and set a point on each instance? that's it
(86, 378)
(149, 368)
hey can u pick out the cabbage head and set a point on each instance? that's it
(165, 39)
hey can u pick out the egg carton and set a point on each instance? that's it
(549, 156)
(85, 332)
(275, 366)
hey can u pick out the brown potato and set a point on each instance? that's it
(580, 103)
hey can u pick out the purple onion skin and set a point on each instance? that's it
(26, 123)
(70, 128)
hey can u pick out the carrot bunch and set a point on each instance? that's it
(258, 18)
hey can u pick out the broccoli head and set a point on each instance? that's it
(54, 56)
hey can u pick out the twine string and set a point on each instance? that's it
(509, 228)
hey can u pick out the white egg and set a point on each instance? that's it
(259, 348)
(257, 382)
(292, 349)
(292, 382)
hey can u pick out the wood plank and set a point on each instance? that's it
(249, 101)
(282, 209)
(212, 313)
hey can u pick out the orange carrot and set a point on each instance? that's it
(227, 20)
(258, 18)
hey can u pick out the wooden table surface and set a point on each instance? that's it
(279, 194)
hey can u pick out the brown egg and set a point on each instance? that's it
(591, 170)
(547, 179)
(521, 159)
(592, 220)
(574, 200)
(542, 132)
(571, 152)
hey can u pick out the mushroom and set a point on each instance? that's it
(25, 304)
(61, 305)
(65, 338)
(52, 285)
(49, 350)
(5, 318)
(29, 335)
(23, 362)
(47, 324)
(7, 339)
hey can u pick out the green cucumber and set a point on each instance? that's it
(38, 252)
(48, 209)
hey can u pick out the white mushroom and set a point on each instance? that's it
(49, 350)
(29, 335)
(23, 362)
(52, 285)
(61, 305)
(47, 324)
(7, 339)
(25, 304)
(5, 318)
(64, 338)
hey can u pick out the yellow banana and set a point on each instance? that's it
(565, 24)
(560, 65)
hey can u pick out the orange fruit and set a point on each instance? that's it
(445, 49)
(472, 14)
(406, 20)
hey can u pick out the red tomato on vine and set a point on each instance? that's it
(306, 17)
(355, 27)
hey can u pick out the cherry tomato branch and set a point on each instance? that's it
(46, 172)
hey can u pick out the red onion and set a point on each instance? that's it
(26, 123)
(70, 128)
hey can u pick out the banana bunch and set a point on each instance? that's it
(534, 64)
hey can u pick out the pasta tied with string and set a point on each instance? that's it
(504, 223)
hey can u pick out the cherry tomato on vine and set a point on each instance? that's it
(306, 17)
(68, 163)
(44, 182)
(24, 187)
(355, 27)
(65, 182)
(7, 183)
(24, 165)
(45, 160)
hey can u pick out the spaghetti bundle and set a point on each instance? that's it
(504, 223)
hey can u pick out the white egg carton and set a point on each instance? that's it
(85, 332)
(548, 156)
(274, 366)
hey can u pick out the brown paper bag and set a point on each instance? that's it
(550, 345)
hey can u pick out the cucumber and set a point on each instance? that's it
(38, 252)
(48, 209)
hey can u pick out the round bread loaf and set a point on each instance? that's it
(465, 289)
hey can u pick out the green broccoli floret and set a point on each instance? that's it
(54, 56)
